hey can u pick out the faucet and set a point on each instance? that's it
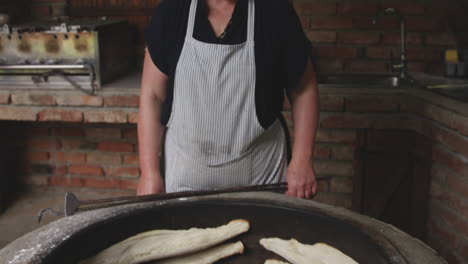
(402, 67)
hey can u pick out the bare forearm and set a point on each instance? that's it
(150, 136)
(150, 130)
(305, 113)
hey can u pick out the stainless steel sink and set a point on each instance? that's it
(363, 81)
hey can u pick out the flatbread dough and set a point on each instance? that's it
(274, 261)
(298, 253)
(207, 256)
(159, 244)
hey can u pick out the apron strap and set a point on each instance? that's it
(191, 19)
(250, 20)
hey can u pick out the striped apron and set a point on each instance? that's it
(214, 139)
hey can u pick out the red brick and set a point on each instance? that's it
(360, 8)
(315, 8)
(37, 156)
(406, 8)
(382, 23)
(436, 68)
(371, 104)
(458, 185)
(133, 117)
(450, 159)
(45, 144)
(103, 158)
(110, 116)
(336, 199)
(335, 52)
(103, 132)
(336, 136)
(67, 131)
(448, 216)
(128, 184)
(329, 65)
(358, 37)
(47, 1)
(4, 98)
(331, 23)
(78, 100)
(122, 171)
(342, 152)
(439, 173)
(19, 114)
(447, 118)
(59, 170)
(41, 12)
(61, 115)
(68, 157)
(74, 144)
(35, 131)
(32, 99)
(131, 159)
(426, 24)
(322, 151)
(305, 22)
(446, 9)
(416, 67)
(383, 52)
(66, 181)
(366, 66)
(331, 103)
(122, 100)
(345, 121)
(442, 232)
(463, 250)
(323, 185)
(37, 180)
(115, 146)
(441, 39)
(85, 170)
(453, 141)
(105, 183)
(335, 168)
(394, 38)
(389, 121)
(341, 185)
(130, 133)
(322, 36)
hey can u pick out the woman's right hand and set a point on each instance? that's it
(151, 185)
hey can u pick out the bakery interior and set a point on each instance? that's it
(392, 141)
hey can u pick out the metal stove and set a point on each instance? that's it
(57, 55)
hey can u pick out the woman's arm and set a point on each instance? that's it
(150, 130)
(305, 111)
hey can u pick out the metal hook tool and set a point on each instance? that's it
(73, 205)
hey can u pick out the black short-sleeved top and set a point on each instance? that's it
(281, 47)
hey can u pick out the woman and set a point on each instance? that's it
(215, 73)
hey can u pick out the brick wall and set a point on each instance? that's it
(17, 10)
(346, 40)
(344, 37)
(74, 155)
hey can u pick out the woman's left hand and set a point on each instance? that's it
(301, 179)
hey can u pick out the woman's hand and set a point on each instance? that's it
(151, 185)
(301, 179)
